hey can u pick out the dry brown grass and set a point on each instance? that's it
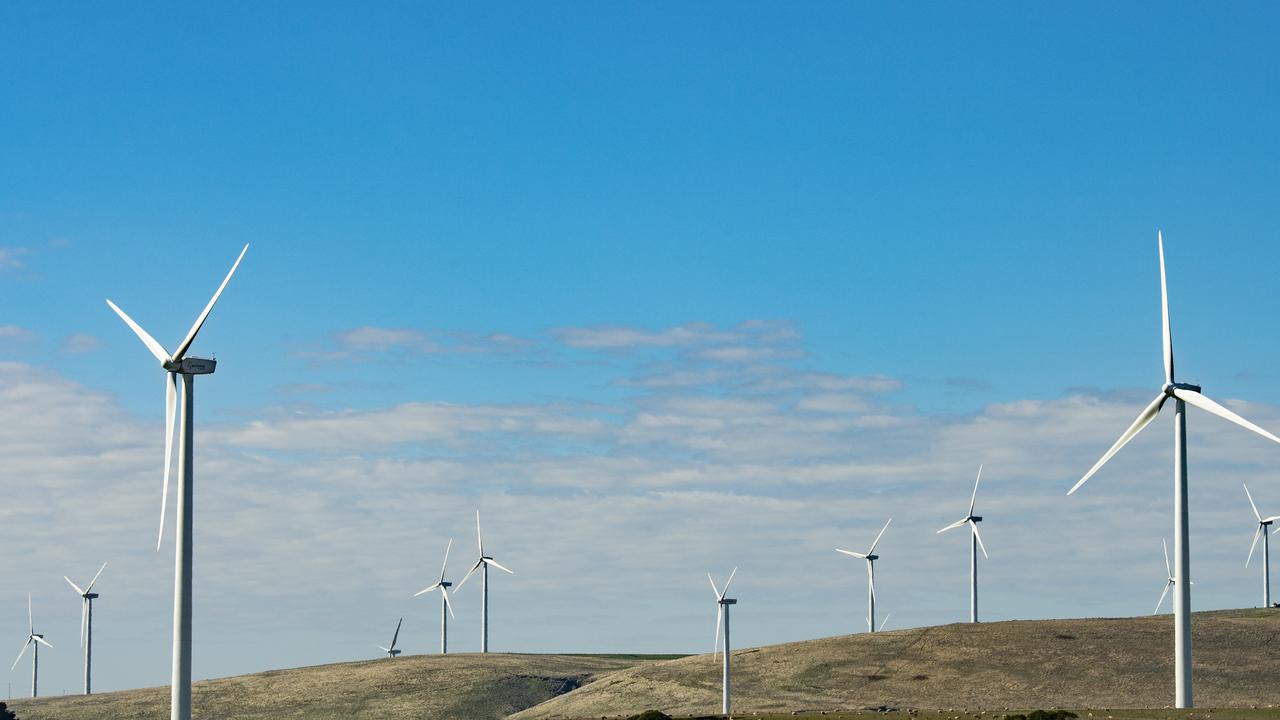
(1020, 664)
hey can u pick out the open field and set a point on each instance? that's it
(1017, 664)
(1084, 714)
(416, 686)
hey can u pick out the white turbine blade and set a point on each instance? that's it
(953, 526)
(1166, 335)
(28, 643)
(851, 553)
(1208, 405)
(31, 624)
(84, 621)
(95, 578)
(397, 635)
(1251, 504)
(73, 585)
(494, 563)
(871, 581)
(1271, 519)
(448, 605)
(479, 537)
(382, 648)
(1167, 585)
(1256, 534)
(42, 641)
(191, 335)
(885, 621)
(445, 564)
(1144, 419)
(725, 591)
(978, 535)
(427, 589)
(714, 589)
(973, 500)
(155, 347)
(715, 649)
(170, 415)
(1167, 567)
(877, 540)
(472, 570)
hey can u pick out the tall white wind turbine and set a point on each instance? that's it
(483, 566)
(722, 622)
(1183, 394)
(392, 651)
(1264, 525)
(871, 559)
(87, 596)
(176, 365)
(443, 587)
(975, 542)
(34, 641)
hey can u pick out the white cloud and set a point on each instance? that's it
(81, 343)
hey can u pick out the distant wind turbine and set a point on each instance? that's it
(1169, 573)
(1182, 395)
(178, 364)
(722, 617)
(884, 622)
(871, 558)
(1262, 532)
(34, 641)
(443, 587)
(87, 596)
(975, 541)
(483, 566)
(392, 651)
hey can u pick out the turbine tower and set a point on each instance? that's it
(34, 640)
(1262, 532)
(483, 566)
(1183, 394)
(871, 559)
(175, 365)
(392, 651)
(975, 542)
(87, 597)
(722, 617)
(443, 587)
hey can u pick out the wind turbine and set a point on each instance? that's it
(975, 541)
(34, 640)
(483, 566)
(1169, 573)
(87, 596)
(1182, 394)
(443, 587)
(1261, 532)
(392, 651)
(175, 365)
(722, 616)
(871, 559)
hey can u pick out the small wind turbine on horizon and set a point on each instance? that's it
(392, 651)
(1182, 395)
(871, 558)
(483, 566)
(443, 587)
(87, 596)
(1261, 532)
(1169, 573)
(975, 541)
(722, 618)
(34, 641)
(175, 365)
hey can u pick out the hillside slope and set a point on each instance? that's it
(1019, 664)
(469, 686)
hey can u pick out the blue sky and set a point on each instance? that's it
(640, 278)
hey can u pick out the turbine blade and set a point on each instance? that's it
(725, 591)
(1167, 567)
(448, 605)
(31, 624)
(42, 641)
(479, 537)
(1251, 504)
(170, 415)
(1204, 403)
(494, 563)
(1160, 602)
(885, 621)
(973, 500)
(155, 347)
(95, 578)
(877, 540)
(978, 535)
(191, 335)
(1144, 419)
(1271, 519)
(73, 585)
(715, 649)
(445, 564)
(1166, 335)
(397, 635)
(472, 570)
(1256, 534)
(84, 620)
(28, 643)
(953, 526)
(714, 589)
(382, 648)
(851, 553)
(426, 590)
(871, 580)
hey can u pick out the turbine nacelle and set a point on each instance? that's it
(190, 366)
(1170, 387)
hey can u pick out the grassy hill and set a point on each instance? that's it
(421, 686)
(1020, 664)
